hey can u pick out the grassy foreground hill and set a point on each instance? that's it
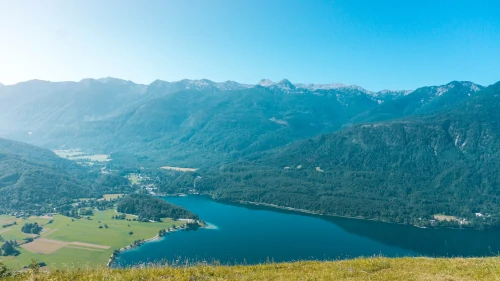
(357, 269)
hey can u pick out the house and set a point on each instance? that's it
(479, 214)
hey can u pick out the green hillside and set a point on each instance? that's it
(402, 171)
(35, 180)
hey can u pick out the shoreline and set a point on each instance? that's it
(304, 211)
(116, 253)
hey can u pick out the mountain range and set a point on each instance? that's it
(399, 170)
(398, 156)
(222, 121)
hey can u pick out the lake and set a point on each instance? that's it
(253, 234)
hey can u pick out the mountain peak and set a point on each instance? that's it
(114, 80)
(266, 83)
(285, 84)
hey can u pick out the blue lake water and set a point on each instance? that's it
(252, 234)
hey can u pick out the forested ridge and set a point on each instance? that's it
(398, 171)
(35, 180)
(149, 208)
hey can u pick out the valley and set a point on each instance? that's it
(337, 153)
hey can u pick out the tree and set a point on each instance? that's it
(8, 248)
(31, 228)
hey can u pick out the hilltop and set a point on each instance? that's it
(357, 269)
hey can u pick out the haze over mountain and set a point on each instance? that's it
(223, 121)
(335, 149)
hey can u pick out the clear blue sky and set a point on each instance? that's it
(374, 44)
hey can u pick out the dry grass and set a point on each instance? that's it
(44, 246)
(49, 246)
(357, 269)
(445, 218)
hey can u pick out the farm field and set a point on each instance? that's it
(68, 242)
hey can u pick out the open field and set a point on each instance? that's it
(357, 269)
(67, 153)
(178, 169)
(4, 219)
(95, 157)
(78, 242)
(445, 218)
(111, 196)
(76, 154)
(134, 179)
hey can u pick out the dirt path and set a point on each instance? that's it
(5, 230)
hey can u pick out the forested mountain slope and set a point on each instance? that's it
(177, 122)
(399, 170)
(421, 101)
(222, 125)
(33, 179)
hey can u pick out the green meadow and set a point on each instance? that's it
(69, 242)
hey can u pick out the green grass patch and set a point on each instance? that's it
(5, 219)
(67, 229)
(134, 179)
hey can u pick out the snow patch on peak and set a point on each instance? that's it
(266, 83)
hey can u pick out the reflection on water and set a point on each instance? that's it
(255, 234)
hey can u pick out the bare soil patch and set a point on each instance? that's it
(49, 246)
(44, 246)
(88, 245)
